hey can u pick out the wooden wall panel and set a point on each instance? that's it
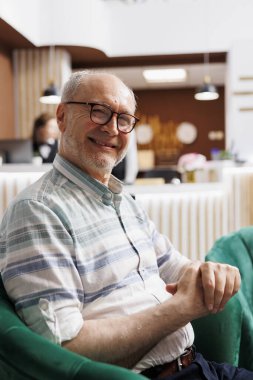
(6, 96)
(178, 105)
(33, 71)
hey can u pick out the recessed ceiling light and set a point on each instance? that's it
(165, 75)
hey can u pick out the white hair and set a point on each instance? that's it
(79, 77)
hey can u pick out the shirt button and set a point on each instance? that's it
(106, 198)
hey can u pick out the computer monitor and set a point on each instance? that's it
(19, 151)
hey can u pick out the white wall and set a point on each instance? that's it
(23, 16)
(60, 22)
(145, 28)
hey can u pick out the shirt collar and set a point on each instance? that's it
(88, 183)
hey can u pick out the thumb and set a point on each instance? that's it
(172, 288)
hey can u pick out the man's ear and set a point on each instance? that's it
(60, 115)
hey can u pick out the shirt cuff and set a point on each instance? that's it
(55, 321)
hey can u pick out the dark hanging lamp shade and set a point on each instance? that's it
(50, 95)
(207, 91)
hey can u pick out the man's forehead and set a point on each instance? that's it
(97, 81)
(101, 87)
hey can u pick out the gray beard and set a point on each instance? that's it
(95, 161)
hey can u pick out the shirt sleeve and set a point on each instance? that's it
(37, 263)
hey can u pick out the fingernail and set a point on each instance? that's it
(210, 307)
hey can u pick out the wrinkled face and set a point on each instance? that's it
(95, 148)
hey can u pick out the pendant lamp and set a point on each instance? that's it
(207, 91)
(51, 94)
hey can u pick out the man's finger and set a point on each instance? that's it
(208, 283)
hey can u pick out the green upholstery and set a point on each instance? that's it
(228, 336)
(26, 355)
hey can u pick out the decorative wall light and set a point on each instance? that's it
(51, 94)
(144, 134)
(186, 132)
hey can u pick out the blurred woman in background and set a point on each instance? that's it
(45, 137)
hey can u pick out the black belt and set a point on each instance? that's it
(168, 369)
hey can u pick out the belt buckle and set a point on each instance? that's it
(179, 364)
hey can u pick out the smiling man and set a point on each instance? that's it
(109, 106)
(86, 268)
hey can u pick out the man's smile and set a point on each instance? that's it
(102, 143)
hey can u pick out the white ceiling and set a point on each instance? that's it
(133, 77)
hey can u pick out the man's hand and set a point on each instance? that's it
(123, 340)
(220, 282)
(208, 286)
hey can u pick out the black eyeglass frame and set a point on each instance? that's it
(112, 113)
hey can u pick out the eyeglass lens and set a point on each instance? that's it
(101, 115)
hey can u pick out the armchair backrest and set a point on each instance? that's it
(237, 249)
(228, 336)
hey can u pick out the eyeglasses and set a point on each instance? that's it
(101, 115)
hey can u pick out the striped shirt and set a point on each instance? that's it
(73, 249)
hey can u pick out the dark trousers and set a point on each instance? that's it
(201, 369)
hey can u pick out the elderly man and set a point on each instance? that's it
(86, 268)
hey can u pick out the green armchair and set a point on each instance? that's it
(228, 336)
(26, 355)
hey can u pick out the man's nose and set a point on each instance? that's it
(111, 126)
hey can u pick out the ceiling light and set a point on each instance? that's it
(207, 91)
(164, 75)
(50, 95)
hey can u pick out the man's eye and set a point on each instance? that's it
(124, 119)
(100, 111)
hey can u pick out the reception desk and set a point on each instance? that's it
(193, 216)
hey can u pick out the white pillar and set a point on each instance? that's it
(239, 100)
